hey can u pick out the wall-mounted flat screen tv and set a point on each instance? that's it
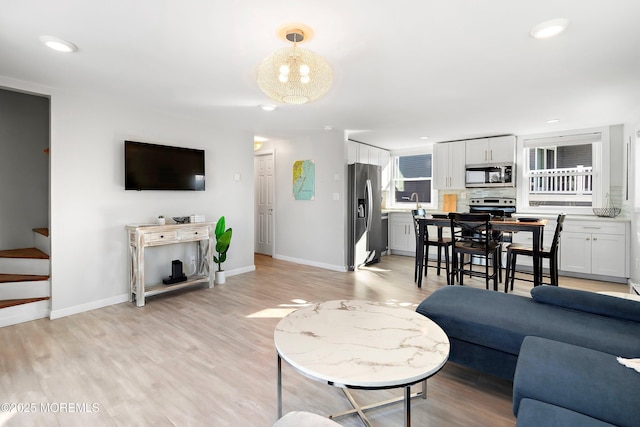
(161, 167)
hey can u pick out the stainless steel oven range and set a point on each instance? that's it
(498, 207)
(501, 207)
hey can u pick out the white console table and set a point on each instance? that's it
(148, 235)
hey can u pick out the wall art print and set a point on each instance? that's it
(304, 180)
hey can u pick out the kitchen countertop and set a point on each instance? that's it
(574, 217)
(549, 216)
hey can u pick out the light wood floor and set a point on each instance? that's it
(205, 357)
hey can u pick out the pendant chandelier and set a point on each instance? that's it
(294, 75)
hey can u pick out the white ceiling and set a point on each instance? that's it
(447, 69)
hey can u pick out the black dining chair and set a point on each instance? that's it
(550, 253)
(472, 237)
(441, 243)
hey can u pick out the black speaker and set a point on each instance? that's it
(177, 275)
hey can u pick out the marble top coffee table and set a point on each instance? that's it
(361, 345)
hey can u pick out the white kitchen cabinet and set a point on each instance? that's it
(364, 157)
(501, 149)
(385, 158)
(449, 165)
(595, 247)
(366, 154)
(402, 235)
(352, 152)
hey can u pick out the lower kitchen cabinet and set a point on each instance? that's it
(595, 248)
(402, 235)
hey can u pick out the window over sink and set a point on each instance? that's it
(413, 175)
(564, 171)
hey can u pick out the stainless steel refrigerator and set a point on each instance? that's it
(365, 216)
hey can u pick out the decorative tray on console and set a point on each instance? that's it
(525, 219)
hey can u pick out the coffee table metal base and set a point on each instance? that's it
(360, 410)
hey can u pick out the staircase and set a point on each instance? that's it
(25, 288)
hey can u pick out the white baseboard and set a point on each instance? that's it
(93, 305)
(240, 270)
(332, 267)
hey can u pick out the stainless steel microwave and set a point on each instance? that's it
(494, 175)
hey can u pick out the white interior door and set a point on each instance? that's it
(264, 191)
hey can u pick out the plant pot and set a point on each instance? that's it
(162, 221)
(220, 277)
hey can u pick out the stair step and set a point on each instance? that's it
(17, 311)
(7, 278)
(29, 261)
(43, 231)
(15, 302)
(25, 289)
(24, 253)
(42, 240)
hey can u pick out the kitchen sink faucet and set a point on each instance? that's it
(417, 201)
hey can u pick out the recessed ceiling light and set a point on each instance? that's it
(550, 28)
(553, 121)
(268, 107)
(58, 44)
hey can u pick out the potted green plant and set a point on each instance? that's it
(161, 220)
(223, 240)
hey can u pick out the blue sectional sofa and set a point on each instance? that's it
(559, 347)
(558, 384)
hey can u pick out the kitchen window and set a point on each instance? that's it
(563, 172)
(413, 174)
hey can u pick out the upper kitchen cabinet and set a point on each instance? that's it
(501, 149)
(366, 154)
(449, 165)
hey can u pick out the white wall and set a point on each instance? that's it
(90, 208)
(311, 232)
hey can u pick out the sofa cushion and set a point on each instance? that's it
(589, 302)
(534, 413)
(578, 379)
(501, 321)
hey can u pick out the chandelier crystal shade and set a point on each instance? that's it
(294, 75)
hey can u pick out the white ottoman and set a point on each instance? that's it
(304, 419)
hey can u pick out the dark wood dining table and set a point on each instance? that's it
(512, 225)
